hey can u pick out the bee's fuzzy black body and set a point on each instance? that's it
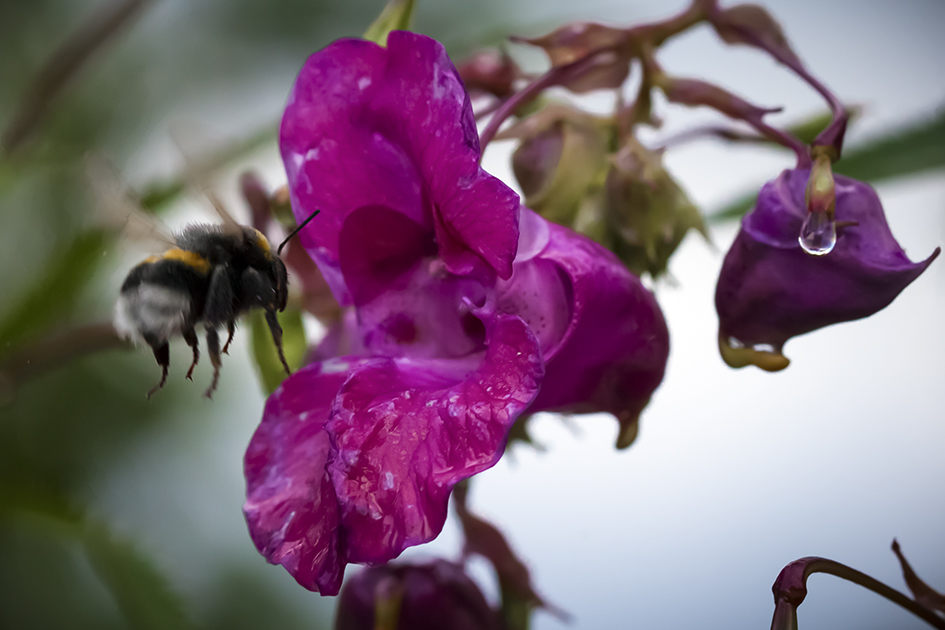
(213, 276)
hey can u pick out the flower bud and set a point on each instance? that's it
(436, 595)
(561, 160)
(770, 289)
(752, 25)
(489, 71)
(649, 211)
(580, 40)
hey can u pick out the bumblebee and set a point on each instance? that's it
(213, 275)
(209, 275)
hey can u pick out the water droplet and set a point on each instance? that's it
(818, 234)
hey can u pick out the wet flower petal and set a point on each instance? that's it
(355, 457)
(369, 126)
(770, 290)
(603, 335)
(404, 438)
(290, 507)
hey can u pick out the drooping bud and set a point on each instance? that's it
(576, 41)
(694, 92)
(752, 25)
(436, 595)
(649, 211)
(770, 290)
(489, 71)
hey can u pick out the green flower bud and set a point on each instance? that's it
(648, 211)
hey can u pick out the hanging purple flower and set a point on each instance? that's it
(456, 316)
(770, 289)
(435, 595)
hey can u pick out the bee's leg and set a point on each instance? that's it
(276, 330)
(230, 329)
(163, 355)
(190, 336)
(213, 349)
(218, 308)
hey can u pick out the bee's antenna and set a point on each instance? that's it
(296, 231)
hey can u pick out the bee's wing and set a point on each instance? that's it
(117, 208)
(200, 160)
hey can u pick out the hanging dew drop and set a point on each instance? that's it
(818, 234)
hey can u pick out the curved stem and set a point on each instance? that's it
(555, 76)
(790, 589)
(832, 136)
(709, 131)
(784, 139)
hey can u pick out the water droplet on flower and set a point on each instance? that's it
(818, 234)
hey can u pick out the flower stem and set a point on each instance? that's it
(555, 76)
(644, 35)
(790, 589)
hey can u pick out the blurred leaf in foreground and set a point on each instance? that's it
(53, 296)
(142, 594)
(138, 589)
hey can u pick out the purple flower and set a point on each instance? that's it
(770, 290)
(437, 595)
(456, 316)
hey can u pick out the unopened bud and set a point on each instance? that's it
(649, 211)
(561, 161)
(489, 71)
(580, 40)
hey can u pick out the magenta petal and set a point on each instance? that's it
(610, 353)
(369, 126)
(377, 245)
(290, 506)
(405, 436)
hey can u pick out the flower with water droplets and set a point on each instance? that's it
(464, 311)
(770, 289)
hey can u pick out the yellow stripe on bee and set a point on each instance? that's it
(263, 243)
(198, 262)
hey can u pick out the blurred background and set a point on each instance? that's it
(120, 513)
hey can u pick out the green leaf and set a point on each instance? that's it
(294, 344)
(734, 210)
(918, 148)
(142, 594)
(395, 17)
(54, 295)
(915, 149)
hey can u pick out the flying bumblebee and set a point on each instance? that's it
(212, 274)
